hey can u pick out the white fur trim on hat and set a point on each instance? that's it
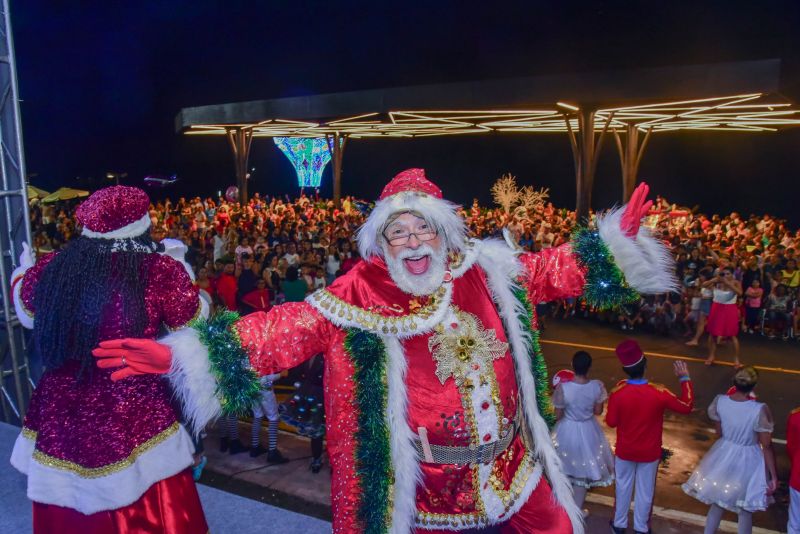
(192, 380)
(134, 229)
(441, 213)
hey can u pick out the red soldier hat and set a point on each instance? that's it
(629, 353)
(411, 192)
(117, 212)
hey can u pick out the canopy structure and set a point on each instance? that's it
(36, 193)
(64, 193)
(631, 105)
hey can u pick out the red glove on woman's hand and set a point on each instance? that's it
(637, 208)
(134, 357)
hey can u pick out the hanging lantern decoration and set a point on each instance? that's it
(308, 157)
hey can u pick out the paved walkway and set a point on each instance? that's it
(292, 485)
(227, 513)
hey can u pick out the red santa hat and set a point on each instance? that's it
(117, 212)
(412, 192)
(564, 375)
(629, 353)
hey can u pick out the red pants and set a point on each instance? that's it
(171, 506)
(541, 514)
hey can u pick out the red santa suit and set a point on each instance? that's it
(436, 420)
(793, 448)
(107, 457)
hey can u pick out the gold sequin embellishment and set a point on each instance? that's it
(97, 472)
(463, 347)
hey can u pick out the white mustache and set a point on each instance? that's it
(422, 251)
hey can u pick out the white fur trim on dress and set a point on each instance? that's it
(51, 485)
(192, 380)
(133, 229)
(498, 263)
(645, 261)
(405, 464)
(443, 214)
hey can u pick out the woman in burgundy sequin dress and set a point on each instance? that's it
(103, 456)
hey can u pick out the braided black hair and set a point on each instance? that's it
(74, 290)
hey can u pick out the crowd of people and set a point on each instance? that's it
(735, 274)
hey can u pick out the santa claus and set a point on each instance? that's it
(435, 391)
(105, 456)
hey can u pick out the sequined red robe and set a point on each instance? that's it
(450, 496)
(110, 457)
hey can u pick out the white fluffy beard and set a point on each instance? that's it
(417, 284)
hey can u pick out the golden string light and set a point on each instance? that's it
(753, 112)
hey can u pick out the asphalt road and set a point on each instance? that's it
(688, 437)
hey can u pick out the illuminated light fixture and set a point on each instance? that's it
(352, 119)
(695, 101)
(308, 156)
(742, 112)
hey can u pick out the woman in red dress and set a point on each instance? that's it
(723, 321)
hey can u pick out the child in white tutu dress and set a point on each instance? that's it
(733, 474)
(585, 454)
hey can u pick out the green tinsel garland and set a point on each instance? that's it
(373, 460)
(538, 365)
(237, 385)
(605, 284)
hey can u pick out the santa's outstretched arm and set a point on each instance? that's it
(609, 265)
(214, 366)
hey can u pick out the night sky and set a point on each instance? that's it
(101, 83)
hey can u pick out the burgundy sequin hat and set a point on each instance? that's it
(411, 191)
(118, 212)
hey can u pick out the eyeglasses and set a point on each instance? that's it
(401, 239)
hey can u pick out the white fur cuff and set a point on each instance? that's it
(192, 380)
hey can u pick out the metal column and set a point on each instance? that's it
(16, 384)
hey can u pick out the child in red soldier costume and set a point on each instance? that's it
(636, 409)
(103, 456)
(435, 385)
(793, 448)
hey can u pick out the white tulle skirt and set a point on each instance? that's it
(585, 454)
(731, 476)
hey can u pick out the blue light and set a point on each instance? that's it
(308, 156)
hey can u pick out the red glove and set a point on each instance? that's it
(133, 356)
(637, 208)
